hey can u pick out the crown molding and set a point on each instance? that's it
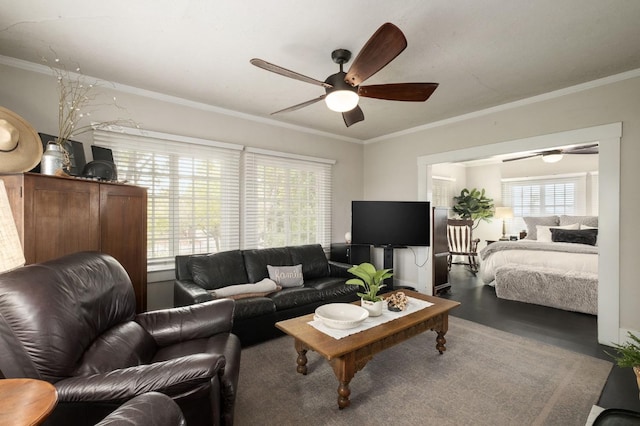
(43, 69)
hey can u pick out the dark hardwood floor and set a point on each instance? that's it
(570, 330)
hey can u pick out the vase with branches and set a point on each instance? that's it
(77, 99)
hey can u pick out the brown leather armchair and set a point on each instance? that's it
(72, 322)
(151, 408)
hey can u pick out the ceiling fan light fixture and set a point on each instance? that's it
(552, 158)
(342, 100)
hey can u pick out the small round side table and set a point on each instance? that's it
(26, 401)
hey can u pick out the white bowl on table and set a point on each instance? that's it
(341, 315)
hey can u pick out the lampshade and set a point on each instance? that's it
(342, 100)
(551, 158)
(503, 213)
(11, 254)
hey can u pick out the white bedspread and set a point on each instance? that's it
(561, 256)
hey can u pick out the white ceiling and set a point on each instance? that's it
(483, 53)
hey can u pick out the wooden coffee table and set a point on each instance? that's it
(350, 354)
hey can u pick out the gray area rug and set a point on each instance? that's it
(486, 377)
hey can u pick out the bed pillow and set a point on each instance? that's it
(577, 236)
(544, 232)
(533, 221)
(582, 220)
(589, 227)
(286, 276)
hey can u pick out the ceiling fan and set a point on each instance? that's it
(343, 90)
(554, 155)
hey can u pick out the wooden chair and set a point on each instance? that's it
(461, 243)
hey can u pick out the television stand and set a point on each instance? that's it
(388, 264)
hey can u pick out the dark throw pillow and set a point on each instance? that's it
(577, 236)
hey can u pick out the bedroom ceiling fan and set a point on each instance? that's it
(343, 90)
(554, 155)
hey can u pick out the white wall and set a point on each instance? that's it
(391, 168)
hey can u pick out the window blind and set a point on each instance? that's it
(287, 200)
(193, 190)
(442, 191)
(544, 196)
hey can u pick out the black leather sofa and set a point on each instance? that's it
(72, 322)
(198, 275)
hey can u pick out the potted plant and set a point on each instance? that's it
(473, 204)
(371, 280)
(628, 355)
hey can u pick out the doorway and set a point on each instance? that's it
(608, 136)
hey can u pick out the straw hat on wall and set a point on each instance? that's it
(20, 144)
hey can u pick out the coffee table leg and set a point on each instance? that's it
(344, 368)
(302, 357)
(441, 328)
(440, 341)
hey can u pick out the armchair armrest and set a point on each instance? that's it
(189, 293)
(149, 408)
(169, 326)
(339, 269)
(175, 378)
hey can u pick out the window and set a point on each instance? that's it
(544, 196)
(442, 191)
(287, 200)
(193, 190)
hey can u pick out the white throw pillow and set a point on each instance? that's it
(286, 276)
(544, 233)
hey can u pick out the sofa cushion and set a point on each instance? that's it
(313, 260)
(253, 307)
(295, 296)
(218, 270)
(286, 276)
(333, 287)
(256, 261)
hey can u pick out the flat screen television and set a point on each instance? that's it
(390, 223)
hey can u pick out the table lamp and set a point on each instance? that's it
(503, 213)
(11, 254)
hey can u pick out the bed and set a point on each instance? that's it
(552, 255)
(556, 266)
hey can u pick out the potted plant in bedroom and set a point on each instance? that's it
(628, 355)
(371, 280)
(474, 204)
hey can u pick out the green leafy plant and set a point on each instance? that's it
(370, 279)
(627, 354)
(475, 205)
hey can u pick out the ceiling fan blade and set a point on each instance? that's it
(301, 105)
(414, 92)
(383, 46)
(353, 116)
(506, 160)
(584, 149)
(287, 73)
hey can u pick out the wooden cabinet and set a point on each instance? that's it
(440, 250)
(57, 216)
